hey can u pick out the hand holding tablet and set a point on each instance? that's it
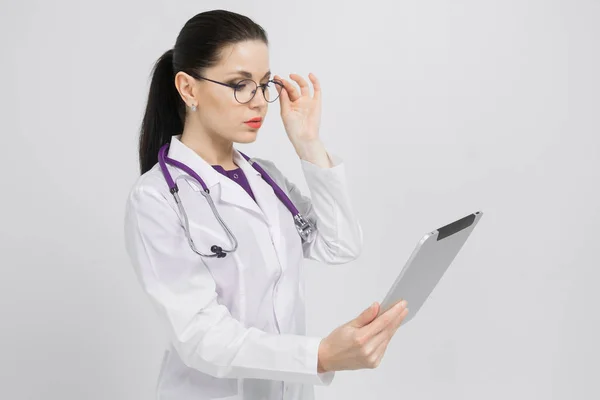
(362, 342)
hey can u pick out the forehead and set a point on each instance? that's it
(251, 56)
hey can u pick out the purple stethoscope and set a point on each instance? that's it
(303, 226)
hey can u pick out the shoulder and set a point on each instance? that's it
(271, 168)
(266, 164)
(149, 189)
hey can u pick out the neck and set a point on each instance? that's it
(213, 149)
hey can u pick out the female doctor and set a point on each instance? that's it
(217, 238)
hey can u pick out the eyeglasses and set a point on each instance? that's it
(245, 90)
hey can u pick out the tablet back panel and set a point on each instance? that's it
(427, 264)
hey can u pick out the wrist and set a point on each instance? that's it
(314, 152)
(321, 364)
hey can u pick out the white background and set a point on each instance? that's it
(439, 108)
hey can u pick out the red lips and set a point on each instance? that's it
(254, 123)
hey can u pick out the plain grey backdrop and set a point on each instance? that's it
(439, 108)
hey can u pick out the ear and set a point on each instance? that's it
(186, 86)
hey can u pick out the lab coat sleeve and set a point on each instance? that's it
(203, 332)
(339, 235)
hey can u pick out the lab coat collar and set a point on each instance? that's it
(229, 191)
(263, 192)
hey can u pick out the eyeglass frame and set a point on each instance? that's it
(263, 86)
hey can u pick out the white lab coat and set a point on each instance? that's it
(236, 325)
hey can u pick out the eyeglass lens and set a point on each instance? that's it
(246, 89)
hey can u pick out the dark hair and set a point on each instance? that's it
(197, 47)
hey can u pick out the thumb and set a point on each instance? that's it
(366, 316)
(284, 100)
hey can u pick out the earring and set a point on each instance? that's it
(193, 107)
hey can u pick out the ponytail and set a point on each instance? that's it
(197, 48)
(162, 118)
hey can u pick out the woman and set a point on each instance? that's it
(232, 296)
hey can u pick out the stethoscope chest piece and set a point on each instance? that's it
(305, 228)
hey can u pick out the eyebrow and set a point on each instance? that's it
(248, 75)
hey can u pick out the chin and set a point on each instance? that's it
(246, 137)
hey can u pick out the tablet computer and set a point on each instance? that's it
(428, 262)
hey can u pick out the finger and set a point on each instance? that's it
(365, 317)
(279, 79)
(290, 89)
(316, 86)
(304, 89)
(284, 99)
(380, 351)
(386, 334)
(400, 320)
(384, 320)
(382, 348)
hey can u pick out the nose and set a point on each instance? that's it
(259, 99)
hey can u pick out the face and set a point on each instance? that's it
(218, 112)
